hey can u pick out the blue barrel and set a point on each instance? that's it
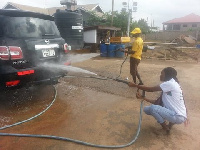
(111, 50)
(198, 46)
(119, 53)
(103, 50)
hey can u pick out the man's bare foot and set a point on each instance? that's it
(170, 125)
(165, 127)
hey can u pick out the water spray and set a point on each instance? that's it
(68, 68)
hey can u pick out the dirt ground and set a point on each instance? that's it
(103, 112)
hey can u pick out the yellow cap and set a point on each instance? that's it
(136, 30)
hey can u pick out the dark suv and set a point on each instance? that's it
(27, 40)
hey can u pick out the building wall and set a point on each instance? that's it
(98, 9)
(86, 17)
(90, 36)
(183, 27)
(170, 35)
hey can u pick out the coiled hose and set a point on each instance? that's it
(78, 141)
(69, 139)
(74, 140)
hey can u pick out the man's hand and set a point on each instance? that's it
(129, 52)
(139, 95)
(123, 50)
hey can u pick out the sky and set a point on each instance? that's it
(155, 11)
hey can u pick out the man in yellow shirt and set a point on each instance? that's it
(135, 54)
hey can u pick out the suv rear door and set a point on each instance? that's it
(30, 39)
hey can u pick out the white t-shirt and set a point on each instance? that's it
(172, 97)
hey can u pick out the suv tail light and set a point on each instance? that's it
(15, 52)
(67, 48)
(10, 52)
(4, 53)
(12, 83)
(26, 72)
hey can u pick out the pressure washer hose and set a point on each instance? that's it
(74, 140)
(18, 123)
(122, 66)
(69, 139)
(78, 141)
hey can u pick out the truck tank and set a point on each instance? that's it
(70, 25)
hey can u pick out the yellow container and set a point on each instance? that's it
(119, 39)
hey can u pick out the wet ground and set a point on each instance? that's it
(99, 111)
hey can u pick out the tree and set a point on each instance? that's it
(120, 20)
(142, 24)
(94, 19)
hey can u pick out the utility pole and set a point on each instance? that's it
(129, 20)
(133, 9)
(112, 13)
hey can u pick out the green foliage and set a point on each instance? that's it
(142, 24)
(120, 20)
(190, 29)
(94, 19)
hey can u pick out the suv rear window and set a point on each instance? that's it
(27, 27)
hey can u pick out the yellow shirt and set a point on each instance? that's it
(137, 47)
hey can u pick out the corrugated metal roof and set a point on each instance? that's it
(28, 8)
(101, 28)
(191, 18)
(51, 11)
(87, 8)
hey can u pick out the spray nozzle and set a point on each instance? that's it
(143, 92)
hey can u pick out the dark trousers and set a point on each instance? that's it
(134, 69)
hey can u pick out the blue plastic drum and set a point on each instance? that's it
(103, 50)
(119, 53)
(198, 46)
(111, 50)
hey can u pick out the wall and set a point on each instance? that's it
(190, 27)
(170, 35)
(86, 16)
(90, 36)
(183, 27)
